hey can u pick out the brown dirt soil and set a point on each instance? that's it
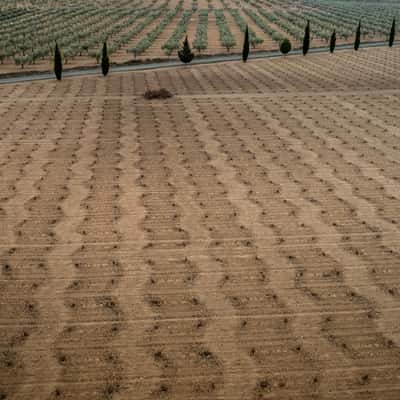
(240, 240)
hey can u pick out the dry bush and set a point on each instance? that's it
(157, 94)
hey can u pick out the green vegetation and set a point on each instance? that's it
(225, 34)
(200, 41)
(29, 28)
(254, 39)
(262, 24)
(173, 42)
(149, 39)
(285, 46)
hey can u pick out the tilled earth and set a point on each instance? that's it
(240, 240)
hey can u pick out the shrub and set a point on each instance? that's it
(285, 46)
(157, 94)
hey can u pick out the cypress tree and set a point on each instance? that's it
(246, 45)
(105, 61)
(57, 63)
(185, 54)
(358, 37)
(332, 43)
(306, 40)
(392, 33)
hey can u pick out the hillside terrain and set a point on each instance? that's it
(239, 240)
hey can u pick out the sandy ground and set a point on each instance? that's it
(238, 241)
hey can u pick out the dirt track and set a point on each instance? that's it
(238, 241)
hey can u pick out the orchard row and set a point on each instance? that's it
(29, 30)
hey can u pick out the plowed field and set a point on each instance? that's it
(240, 240)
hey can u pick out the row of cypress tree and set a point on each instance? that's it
(105, 62)
(286, 46)
(186, 55)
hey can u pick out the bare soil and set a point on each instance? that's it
(239, 240)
